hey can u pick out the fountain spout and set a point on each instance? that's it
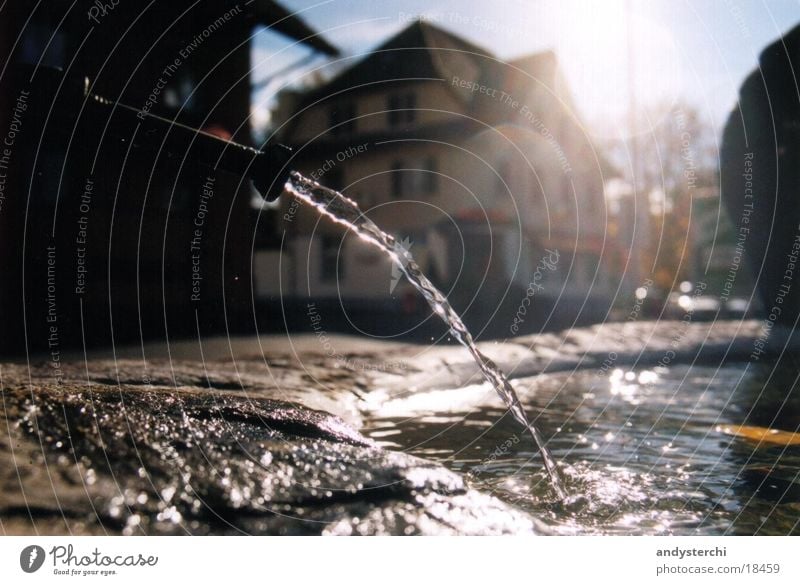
(121, 123)
(267, 168)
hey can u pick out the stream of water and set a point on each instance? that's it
(346, 212)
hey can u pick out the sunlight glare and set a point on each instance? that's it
(595, 52)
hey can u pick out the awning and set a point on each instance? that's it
(279, 19)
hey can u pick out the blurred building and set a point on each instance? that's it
(481, 167)
(111, 231)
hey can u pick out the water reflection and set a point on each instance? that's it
(643, 447)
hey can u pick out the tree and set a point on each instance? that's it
(674, 157)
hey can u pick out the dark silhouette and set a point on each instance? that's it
(113, 229)
(760, 177)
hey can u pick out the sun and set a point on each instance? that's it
(605, 45)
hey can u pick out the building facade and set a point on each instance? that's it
(481, 167)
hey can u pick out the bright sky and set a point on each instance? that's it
(698, 52)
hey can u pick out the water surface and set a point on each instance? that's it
(642, 451)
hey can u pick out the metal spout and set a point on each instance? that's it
(268, 168)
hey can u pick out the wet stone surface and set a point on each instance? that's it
(599, 347)
(144, 460)
(244, 443)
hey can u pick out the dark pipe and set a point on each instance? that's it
(268, 169)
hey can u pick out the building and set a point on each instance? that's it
(98, 241)
(481, 166)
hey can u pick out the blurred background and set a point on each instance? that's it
(549, 164)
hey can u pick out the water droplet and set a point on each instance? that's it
(167, 493)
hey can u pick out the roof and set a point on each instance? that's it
(541, 66)
(407, 55)
(425, 51)
(272, 14)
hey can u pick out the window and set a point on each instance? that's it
(402, 109)
(332, 267)
(430, 176)
(420, 177)
(342, 119)
(504, 187)
(397, 179)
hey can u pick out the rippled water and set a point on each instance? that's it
(645, 448)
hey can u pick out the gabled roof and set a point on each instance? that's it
(425, 51)
(541, 66)
(410, 54)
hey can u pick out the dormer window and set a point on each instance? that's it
(402, 109)
(342, 119)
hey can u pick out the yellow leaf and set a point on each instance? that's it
(761, 434)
